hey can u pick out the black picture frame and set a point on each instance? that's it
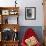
(30, 13)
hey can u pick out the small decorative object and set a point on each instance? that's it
(30, 13)
(6, 21)
(13, 12)
(15, 30)
(15, 3)
(15, 36)
(5, 12)
(7, 34)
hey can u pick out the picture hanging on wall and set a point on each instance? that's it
(30, 13)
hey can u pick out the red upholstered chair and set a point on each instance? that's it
(29, 33)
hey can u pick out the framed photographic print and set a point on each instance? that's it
(13, 20)
(30, 13)
(5, 12)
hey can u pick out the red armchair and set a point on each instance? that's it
(29, 34)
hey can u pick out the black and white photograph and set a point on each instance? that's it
(30, 13)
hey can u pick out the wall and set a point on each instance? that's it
(39, 12)
(27, 3)
(44, 12)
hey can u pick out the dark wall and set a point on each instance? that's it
(37, 29)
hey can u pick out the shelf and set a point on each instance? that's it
(5, 12)
(10, 26)
(11, 41)
(5, 8)
(10, 19)
(9, 10)
(7, 16)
